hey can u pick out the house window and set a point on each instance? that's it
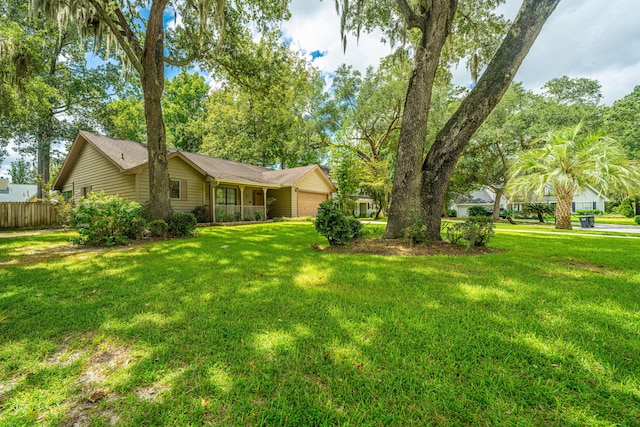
(86, 191)
(174, 189)
(67, 195)
(581, 206)
(226, 196)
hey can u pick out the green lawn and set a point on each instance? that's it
(251, 326)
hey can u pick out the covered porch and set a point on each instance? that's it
(233, 202)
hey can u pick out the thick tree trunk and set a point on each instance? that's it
(152, 88)
(44, 160)
(405, 203)
(476, 107)
(563, 208)
(43, 156)
(496, 202)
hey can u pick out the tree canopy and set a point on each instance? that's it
(138, 34)
(444, 31)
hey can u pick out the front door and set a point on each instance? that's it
(258, 197)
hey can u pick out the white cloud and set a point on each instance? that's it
(583, 38)
(315, 26)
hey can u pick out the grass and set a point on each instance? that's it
(251, 326)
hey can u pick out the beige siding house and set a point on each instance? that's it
(229, 190)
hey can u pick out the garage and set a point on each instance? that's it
(308, 203)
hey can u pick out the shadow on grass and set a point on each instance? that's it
(250, 326)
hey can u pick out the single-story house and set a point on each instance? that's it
(484, 197)
(225, 188)
(10, 192)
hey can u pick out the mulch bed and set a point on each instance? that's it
(401, 247)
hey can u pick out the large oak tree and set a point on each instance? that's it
(420, 183)
(139, 33)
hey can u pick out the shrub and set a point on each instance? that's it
(237, 216)
(258, 216)
(589, 212)
(107, 220)
(477, 211)
(158, 228)
(625, 208)
(416, 233)
(182, 224)
(452, 213)
(335, 226)
(454, 233)
(637, 219)
(202, 213)
(477, 231)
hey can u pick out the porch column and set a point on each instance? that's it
(241, 202)
(212, 200)
(264, 202)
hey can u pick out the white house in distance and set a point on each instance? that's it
(589, 198)
(484, 197)
(16, 192)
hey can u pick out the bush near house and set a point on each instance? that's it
(104, 220)
(158, 228)
(477, 211)
(182, 224)
(476, 231)
(589, 212)
(626, 208)
(637, 219)
(336, 226)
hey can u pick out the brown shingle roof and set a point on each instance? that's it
(128, 155)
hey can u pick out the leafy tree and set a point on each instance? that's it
(346, 172)
(184, 105)
(518, 122)
(469, 29)
(22, 172)
(371, 109)
(47, 89)
(144, 44)
(124, 118)
(621, 120)
(569, 161)
(484, 161)
(273, 118)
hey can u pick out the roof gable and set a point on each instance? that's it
(132, 157)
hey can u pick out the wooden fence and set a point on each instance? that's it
(26, 215)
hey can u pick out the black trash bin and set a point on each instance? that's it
(587, 221)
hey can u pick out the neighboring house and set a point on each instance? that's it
(484, 197)
(226, 188)
(16, 192)
(589, 198)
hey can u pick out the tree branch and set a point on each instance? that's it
(119, 31)
(412, 19)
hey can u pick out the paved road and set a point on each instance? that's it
(610, 228)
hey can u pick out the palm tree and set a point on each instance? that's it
(569, 161)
